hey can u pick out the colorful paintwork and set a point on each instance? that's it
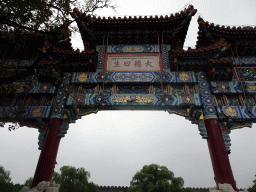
(236, 113)
(245, 61)
(32, 112)
(132, 49)
(101, 57)
(175, 96)
(36, 87)
(132, 62)
(234, 87)
(227, 140)
(18, 62)
(245, 73)
(60, 99)
(202, 129)
(134, 77)
(39, 111)
(141, 77)
(133, 99)
(209, 110)
(165, 57)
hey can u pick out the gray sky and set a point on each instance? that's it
(114, 145)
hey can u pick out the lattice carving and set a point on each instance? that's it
(159, 90)
(248, 74)
(191, 89)
(88, 90)
(233, 100)
(250, 100)
(41, 138)
(219, 100)
(107, 89)
(227, 140)
(63, 128)
(133, 89)
(202, 129)
(177, 90)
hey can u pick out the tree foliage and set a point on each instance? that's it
(5, 180)
(43, 16)
(28, 182)
(253, 187)
(6, 184)
(155, 178)
(39, 26)
(48, 20)
(74, 180)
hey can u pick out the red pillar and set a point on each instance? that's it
(219, 155)
(47, 159)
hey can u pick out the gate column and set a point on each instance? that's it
(219, 155)
(56, 129)
(47, 159)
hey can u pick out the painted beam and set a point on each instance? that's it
(134, 77)
(134, 99)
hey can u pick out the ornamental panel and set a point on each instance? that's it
(132, 62)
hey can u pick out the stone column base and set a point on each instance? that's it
(224, 188)
(42, 186)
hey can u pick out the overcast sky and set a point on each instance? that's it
(114, 145)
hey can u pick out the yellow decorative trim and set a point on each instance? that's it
(183, 76)
(136, 99)
(177, 113)
(89, 112)
(251, 86)
(65, 116)
(241, 126)
(37, 112)
(230, 111)
(83, 77)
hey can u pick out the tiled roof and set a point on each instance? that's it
(209, 32)
(134, 29)
(221, 61)
(135, 19)
(74, 52)
(224, 28)
(218, 44)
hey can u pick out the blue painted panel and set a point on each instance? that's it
(134, 99)
(245, 61)
(209, 110)
(232, 87)
(237, 113)
(132, 49)
(134, 77)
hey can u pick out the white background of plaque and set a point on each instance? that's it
(134, 64)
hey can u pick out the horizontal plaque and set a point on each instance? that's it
(132, 62)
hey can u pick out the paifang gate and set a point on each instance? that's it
(139, 63)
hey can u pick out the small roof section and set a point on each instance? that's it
(221, 43)
(209, 33)
(135, 30)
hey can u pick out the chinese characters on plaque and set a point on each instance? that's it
(133, 63)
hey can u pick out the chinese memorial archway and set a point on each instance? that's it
(139, 63)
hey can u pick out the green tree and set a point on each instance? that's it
(188, 189)
(155, 178)
(253, 188)
(41, 27)
(5, 182)
(28, 182)
(17, 187)
(74, 180)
